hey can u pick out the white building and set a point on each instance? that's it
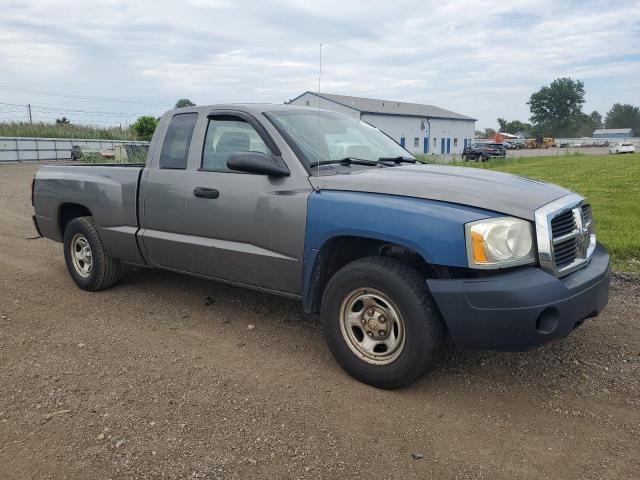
(418, 128)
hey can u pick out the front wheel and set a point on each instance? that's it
(88, 264)
(381, 323)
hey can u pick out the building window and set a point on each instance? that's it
(416, 142)
(307, 102)
(455, 142)
(435, 142)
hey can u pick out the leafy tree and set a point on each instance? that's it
(515, 126)
(144, 127)
(184, 102)
(486, 133)
(624, 116)
(63, 121)
(596, 118)
(586, 124)
(556, 109)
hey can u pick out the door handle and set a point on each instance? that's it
(206, 192)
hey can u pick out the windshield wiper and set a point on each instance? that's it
(345, 161)
(397, 160)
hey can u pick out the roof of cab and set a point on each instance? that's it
(243, 107)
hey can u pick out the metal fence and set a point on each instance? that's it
(19, 149)
(595, 142)
(584, 142)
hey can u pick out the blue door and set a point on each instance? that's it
(402, 142)
(426, 145)
(442, 140)
(448, 145)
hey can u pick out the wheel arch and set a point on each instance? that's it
(341, 250)
(69, 211)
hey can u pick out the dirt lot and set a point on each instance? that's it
(145, 381)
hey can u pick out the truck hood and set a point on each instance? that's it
(500, 192)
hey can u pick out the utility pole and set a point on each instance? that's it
(29, 110)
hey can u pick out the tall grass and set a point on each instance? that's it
(52, 130)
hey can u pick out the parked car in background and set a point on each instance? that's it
(510, 145)
(394, 255)
(483, 151)
(622, 147)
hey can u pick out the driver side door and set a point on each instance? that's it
(245, 228)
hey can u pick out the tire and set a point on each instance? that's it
(416, 320)
(88, 264)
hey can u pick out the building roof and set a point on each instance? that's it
(389, 107)
(612, 131)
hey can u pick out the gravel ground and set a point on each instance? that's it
(146, 380)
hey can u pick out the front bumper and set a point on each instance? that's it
(524, 308)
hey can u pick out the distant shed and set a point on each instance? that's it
(612, 133)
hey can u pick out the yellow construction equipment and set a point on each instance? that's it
(540, 142)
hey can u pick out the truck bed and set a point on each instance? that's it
(108, 191)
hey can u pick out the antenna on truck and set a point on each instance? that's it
(320, 70)
(319, 89)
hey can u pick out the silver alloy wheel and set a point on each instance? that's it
(372, 326)
(81, 255)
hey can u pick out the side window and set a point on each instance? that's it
(175, 148)
(225, 136)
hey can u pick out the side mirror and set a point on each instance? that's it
(258, 163)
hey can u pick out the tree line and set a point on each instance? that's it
(556, 110)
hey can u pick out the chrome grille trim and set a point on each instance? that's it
(575, 241)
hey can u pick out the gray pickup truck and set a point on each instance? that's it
(315, 205)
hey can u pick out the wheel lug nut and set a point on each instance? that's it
(370, 312)
(370, 334)
(382, 319)
(381, 333)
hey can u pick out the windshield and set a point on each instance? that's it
(319, 137)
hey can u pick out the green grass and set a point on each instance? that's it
(51, 130)
(611, 183)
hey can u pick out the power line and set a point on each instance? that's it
(72, 110)
(82, 97)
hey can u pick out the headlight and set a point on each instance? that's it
(499, 242)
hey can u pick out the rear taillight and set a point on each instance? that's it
(33, 186)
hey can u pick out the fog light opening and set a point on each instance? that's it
(548, 321)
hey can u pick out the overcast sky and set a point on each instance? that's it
(111, 61)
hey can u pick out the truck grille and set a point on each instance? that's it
(565, 233)
(563, 224)
(563, 228)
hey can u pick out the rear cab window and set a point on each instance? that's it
(177, 140)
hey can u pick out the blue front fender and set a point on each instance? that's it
(433, 229)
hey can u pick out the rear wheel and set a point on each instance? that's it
(88, 264)
(380, 322)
